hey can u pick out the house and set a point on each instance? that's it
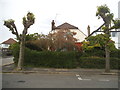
(5, 45)
(80, 36)
(115, 36)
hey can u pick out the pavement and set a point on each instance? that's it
(10, 68)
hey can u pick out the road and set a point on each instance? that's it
(37, 80)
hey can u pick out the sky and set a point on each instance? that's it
(79, 13)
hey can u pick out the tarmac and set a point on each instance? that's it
(10, 68)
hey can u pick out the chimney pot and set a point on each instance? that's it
(53, 25)
(88, 28)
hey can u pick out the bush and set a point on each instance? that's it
(15, 51)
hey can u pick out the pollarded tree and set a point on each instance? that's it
(104, 12)
(27, 22)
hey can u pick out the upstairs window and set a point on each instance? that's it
(114, 34)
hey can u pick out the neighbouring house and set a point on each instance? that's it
(80, 36)
(115, 36)
(5, 45)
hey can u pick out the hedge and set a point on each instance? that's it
(115, 53)
(98, 62)
(93, 52)
(66, 59)
(49, 59)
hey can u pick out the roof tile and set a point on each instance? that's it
(9, 41)
(66, 26)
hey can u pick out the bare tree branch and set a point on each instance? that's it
(12, 27)
(97, 30)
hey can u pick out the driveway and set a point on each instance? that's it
(6, 60)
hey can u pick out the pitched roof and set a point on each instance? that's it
(66, 26)
(9, 41)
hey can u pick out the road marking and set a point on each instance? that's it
(79, 78)
(104, 80)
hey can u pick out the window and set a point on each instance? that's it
(114, 34)
(6, 46)
(118, 47)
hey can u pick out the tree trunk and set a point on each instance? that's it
(107, 51)
(21, 53)
(107, 59)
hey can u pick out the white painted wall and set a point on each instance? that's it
(119, 39)
(5, 45)
(79, 35)
(115, 39)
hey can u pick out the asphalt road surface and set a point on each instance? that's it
(37, 80)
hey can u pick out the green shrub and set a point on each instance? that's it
(15, 51)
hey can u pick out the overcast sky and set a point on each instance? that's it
(79, 13)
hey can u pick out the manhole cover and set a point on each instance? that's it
(21, 81)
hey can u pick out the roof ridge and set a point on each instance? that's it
(9, 41)
(66, 25)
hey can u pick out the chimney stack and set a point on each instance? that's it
(53, 25)
(88, 28)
